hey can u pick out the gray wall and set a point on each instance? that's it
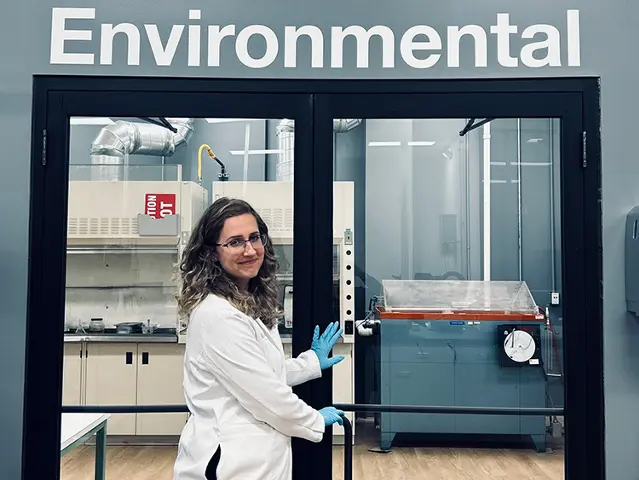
(222, 138)
(424, 204)
(607, 32)
(537, 188)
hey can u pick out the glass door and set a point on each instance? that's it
(452, 234)
(121, 180)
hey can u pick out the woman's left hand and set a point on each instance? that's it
(323, 345)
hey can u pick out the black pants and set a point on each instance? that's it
(211, 468)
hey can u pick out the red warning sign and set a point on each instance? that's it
(159, 205)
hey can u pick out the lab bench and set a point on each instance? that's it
(78, 428)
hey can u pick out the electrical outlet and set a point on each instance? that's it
(554, 298)
(348, 237)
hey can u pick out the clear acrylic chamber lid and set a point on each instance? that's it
(458, 297)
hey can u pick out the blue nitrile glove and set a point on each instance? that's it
(332, 415)
(323, 345)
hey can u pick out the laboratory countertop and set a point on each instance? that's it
(121, 337)
(140, 338)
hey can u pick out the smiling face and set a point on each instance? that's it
(240, 250)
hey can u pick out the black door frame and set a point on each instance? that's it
(575, 102)
(49, 199)
(56, 98)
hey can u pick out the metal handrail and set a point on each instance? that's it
(348, 448)
(362, 407)
(347, 407)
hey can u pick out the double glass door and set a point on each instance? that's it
(444, 232)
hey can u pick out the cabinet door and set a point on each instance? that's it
(160, 374)
(72, 374)
(111, 379)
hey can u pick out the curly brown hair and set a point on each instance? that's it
(200, 274)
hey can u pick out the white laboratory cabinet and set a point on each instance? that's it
(160, 374)
(73, 374)
(127, 373)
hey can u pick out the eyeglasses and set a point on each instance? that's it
(257, 240)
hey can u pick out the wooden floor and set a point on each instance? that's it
(156, 463)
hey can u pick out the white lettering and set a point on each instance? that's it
(195, 39)
(574, 38)
(215, 42)
(166, 209)
(503, 29)
(408, 46)
(106, 42)
(552, 45)
(151, 205)
(291, 34)
(272, 46)
(164, 56)
(542, 45)
(59, 35)
(455, 35)
(362, 36)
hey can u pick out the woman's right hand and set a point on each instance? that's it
(332, 415)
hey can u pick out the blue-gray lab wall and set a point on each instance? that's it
(606, 33)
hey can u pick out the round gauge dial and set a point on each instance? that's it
(519, 346)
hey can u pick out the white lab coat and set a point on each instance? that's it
(237, 385)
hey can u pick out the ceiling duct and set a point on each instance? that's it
(286, 140)
(115, 142)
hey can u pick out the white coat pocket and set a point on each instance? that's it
(253, 451)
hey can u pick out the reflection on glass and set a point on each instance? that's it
(457, 290)
(130, 172)
(137, 187)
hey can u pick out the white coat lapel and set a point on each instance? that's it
(277, 359)
(269, 336)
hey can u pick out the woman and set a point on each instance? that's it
(237, 382)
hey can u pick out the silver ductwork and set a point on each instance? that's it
(286, 145)
(114, 143)
(286, 139)
(341, 125)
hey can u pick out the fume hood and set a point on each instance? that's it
(132, 214)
